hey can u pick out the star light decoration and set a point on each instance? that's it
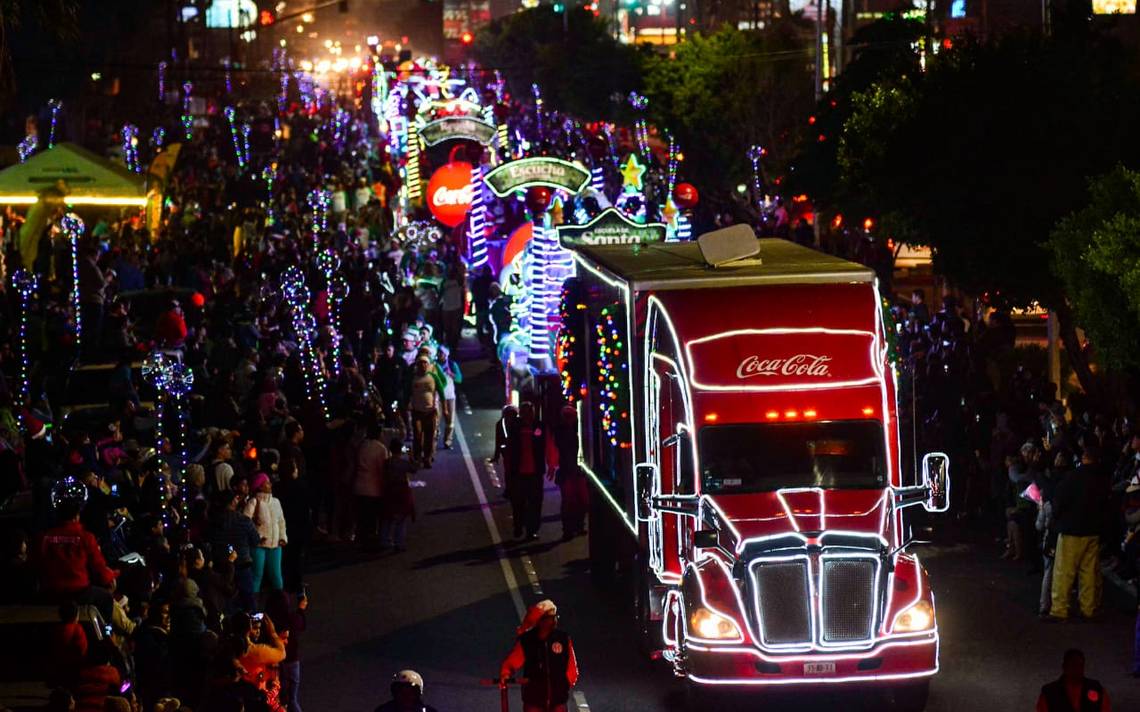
(421, 234)
(631, 174)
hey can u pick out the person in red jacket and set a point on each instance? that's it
(71, 566)
(170, 330)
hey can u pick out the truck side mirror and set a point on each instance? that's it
(645, 477)
(936, 478)
(706, 539)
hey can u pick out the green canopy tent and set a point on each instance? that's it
(70, 175)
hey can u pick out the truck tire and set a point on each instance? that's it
(911, 697)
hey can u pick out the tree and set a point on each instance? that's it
(580, 67)
(983, 154)
(722, 93)
(1096, 254)
(57, 18)
(883, 52)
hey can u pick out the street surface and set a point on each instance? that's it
(447, 607)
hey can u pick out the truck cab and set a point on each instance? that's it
(763, 473)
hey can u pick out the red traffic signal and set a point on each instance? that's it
(265, 18)
(466, 38)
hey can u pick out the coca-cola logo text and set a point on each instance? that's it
(797, 365)
(447, 196)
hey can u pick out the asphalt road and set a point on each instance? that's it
(447, 607)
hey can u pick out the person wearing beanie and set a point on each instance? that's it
(264, 510)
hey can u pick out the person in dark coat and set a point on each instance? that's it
(1073, 692)
(294, 494)
(232, 531)
(524, 459)
(545, 655)
(1080, 512)
(570, 479)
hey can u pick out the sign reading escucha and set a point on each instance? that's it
(610, 227)
(535, 171)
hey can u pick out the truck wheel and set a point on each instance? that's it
(910, 698)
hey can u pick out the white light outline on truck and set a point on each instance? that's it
(875, 618)
(736, 619)
(783, 331)
(625, 290)
(917, 596)
(792, 647)
(597, 481)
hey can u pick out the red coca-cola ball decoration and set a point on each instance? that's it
(450, 192)
(538, 199)
(685, 196)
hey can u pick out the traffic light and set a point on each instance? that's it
(265, 18)
(466, 38)
(559, 7)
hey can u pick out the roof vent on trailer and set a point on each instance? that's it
(729, 245)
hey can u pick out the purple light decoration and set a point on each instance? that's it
(297, 297)
(598, 179)
(161, 82)
(477, 224)
(235, 136)
(25, 284)
(74, 227)
(283, 97)
(755, 153)
(157, 370)
(55, 105)
(27, 147)
(229, 76)
(671, 181)
(319, 203)
(187, 118)
(157, 138)
(131, 147)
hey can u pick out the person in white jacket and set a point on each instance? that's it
(265, 511)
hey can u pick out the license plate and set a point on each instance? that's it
(819, 668)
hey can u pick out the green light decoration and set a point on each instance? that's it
(891, 330)
(568, 355)
(612, 378)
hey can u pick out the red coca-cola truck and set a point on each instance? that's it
(740, 429)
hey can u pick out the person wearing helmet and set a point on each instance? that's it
(71, 565)
(545, 654)
(407, 694)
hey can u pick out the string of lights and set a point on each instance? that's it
(73, 227)
(131, 147)
(187, 117)
(25, 283)
(55, 105)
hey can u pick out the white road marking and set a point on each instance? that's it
(579, 697)
(492, 528)
(532, 576)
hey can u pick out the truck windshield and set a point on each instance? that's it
(761, 457)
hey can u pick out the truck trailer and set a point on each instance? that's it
(740, 430)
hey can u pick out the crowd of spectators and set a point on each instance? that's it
(1059, 482)
(172, 532)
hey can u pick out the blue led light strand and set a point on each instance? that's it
(74, 227)
(25, 283)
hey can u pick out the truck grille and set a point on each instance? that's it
(848, 599)
(783, 600)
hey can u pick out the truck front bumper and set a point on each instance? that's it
(890, 660)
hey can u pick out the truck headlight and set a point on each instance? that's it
(918, 617)
(713, 626)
